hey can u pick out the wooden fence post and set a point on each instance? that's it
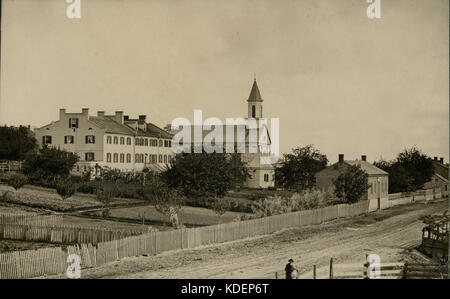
(366, 265)
(405, 270)
(331, 268)
(314, 271)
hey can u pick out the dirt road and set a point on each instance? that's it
(390, 233)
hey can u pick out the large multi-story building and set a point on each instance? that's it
(113, 141)
(118, 142)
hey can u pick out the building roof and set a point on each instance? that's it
(255, 95)
(157, 131)
(441, 169)
(368, 167)
(110, 125)
(441, 178)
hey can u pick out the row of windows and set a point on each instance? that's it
(139, 158)
(153, 142)
(116, 139)
(69, 139)
(139, 141)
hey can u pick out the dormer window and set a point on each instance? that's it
(73, 123)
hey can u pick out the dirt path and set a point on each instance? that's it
(391, 234)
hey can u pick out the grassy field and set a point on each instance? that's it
(15, 245)
(44, 198)
(73, 220)
(188, 215)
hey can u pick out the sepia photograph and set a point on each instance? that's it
(224, 146)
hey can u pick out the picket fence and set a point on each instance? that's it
(35, 261)
(31, 219)
(63, 234)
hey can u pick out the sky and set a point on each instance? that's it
(334, 78)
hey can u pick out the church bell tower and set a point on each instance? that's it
(255, 102)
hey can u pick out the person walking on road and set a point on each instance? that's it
(291, 270)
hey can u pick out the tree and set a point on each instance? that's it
(16, 143)
(409, 171)
(351, 184)
(298, 168)
(167, 201)
(418, 165)
(65, 188)
(104, 193)
(206, 175)
(220, 206)
(50, 161)
(17, 181)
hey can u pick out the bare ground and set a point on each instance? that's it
(392, 234)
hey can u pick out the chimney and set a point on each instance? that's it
(364, 157)
(85, 111)
(62, 113)
(442, 160)
(126, 117)
(435, 158)
(100, 113)
(341, 158)
(142, 117)
(119, 117)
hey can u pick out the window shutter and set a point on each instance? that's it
(93, 139)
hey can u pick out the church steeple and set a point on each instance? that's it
(255, 102)
(255, 95)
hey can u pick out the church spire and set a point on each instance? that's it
(255, 102)
(255, 95)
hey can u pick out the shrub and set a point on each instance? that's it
(17, 181)
(269, 206)
(65, 188)
(220, 206)
(87, 187)
(307, 200)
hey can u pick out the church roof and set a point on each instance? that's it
(255, 95)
